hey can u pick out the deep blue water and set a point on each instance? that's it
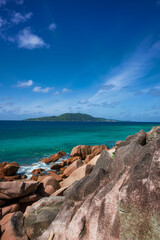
(28, 142)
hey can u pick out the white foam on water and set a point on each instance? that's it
(27, 169)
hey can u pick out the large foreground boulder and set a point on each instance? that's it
(13, 229)
(123, 204)
(39, 216)
(139, 204)
(103, 162)
(153, 134)
(88, 184)
(139, 137)
(5, 220)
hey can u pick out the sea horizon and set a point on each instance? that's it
(125, 121)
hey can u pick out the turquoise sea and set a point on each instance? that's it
(28, 142)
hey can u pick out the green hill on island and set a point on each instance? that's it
(73, 117)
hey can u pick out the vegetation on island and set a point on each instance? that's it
(73, 117)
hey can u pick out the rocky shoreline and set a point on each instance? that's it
(96, 194)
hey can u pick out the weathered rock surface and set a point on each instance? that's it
(48, 186)
(11, 168)
(94, 160)
(8, 171)
(53, 157)
(34, 178)
(1, 173)
(11, 178)
(37, 171)
(5, 220)
(13, 229)
(71, 160)
(139, 204)
(118, 200)
(57, 166)
(3, 164)
(39, 216)
(88, 184)
(2, 202)
(71, 168)
(29, 198)
(59, 192)
(16, 189)
(10, 209)
(103, 162)
(55, 175)
(87, 152)
(153, 134)
(76, 175)
(139, 137)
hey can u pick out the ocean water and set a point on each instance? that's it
(28, 142)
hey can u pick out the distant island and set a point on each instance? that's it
(72, 117)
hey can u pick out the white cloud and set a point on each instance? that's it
(25, 83)
(3, 2)
(56, 93)
(42, 90)
(17, 17)
(26, 39)
(66, 90)
(52, 27)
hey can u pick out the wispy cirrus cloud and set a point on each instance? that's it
(17, 17)
(128, 73)
(9, 108)
(24, 84)
(105, 104)
(39, 89)
(27, 39)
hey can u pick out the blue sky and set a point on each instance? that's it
(100, 57)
